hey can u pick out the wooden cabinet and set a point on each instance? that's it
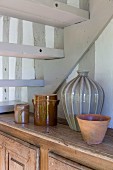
(59, 163)
(60, 148)
(2, 158)
(15, 162)
(17, 155)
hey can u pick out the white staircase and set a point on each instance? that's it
(78, 39)
(47, 12)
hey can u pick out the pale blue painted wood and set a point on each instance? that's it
(22, 83)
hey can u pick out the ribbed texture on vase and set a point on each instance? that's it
(81, 96)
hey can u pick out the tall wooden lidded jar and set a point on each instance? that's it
(45, 110)
(81, 96)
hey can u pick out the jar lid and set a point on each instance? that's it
(22, 106)
(46, 97)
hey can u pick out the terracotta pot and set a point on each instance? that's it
(93, 127)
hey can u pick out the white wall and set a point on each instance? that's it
(104, 68)
(99, 62)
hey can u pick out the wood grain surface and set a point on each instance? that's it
(62, 141)
(17, 154)
(59, 163)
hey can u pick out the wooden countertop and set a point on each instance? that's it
(63, 141)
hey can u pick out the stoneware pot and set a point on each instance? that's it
(93, 127)
(81, 95)
(45, 110)
(21, 113)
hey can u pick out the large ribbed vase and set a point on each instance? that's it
(81, 96)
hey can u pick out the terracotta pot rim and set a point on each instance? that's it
(90, 117)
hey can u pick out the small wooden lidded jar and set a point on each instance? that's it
(21, 113)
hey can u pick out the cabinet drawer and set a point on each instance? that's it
(59, 163)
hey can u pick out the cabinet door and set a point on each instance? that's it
(2, 158)
(21, 156)
(59, 163)
(15, 162)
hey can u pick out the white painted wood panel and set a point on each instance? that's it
(47, 12)
(1, 38)
(1, 28)
(13, 30)
(84, 4)
(1, 68)
(27, 33)
(49, 66)
(28, 69)
(11, 93)
(1, 65)
(27, 64)
(21, 83)
(12, 65)
(58, 43)
(18, 68)
(24, 94)
(39, 36)
(73, 3)
(12, 60)
(1, 94)
(12, 39)
(39, 40)
(28, 51)
(58, 38)
(64, 1)
(5, 60)
(49, 36)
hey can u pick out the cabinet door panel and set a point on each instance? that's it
(15, 162)
(59, 163)
(2, 158)
(20, 155)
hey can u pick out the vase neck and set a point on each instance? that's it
(83, 73)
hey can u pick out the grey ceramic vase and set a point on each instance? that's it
(81, 96)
